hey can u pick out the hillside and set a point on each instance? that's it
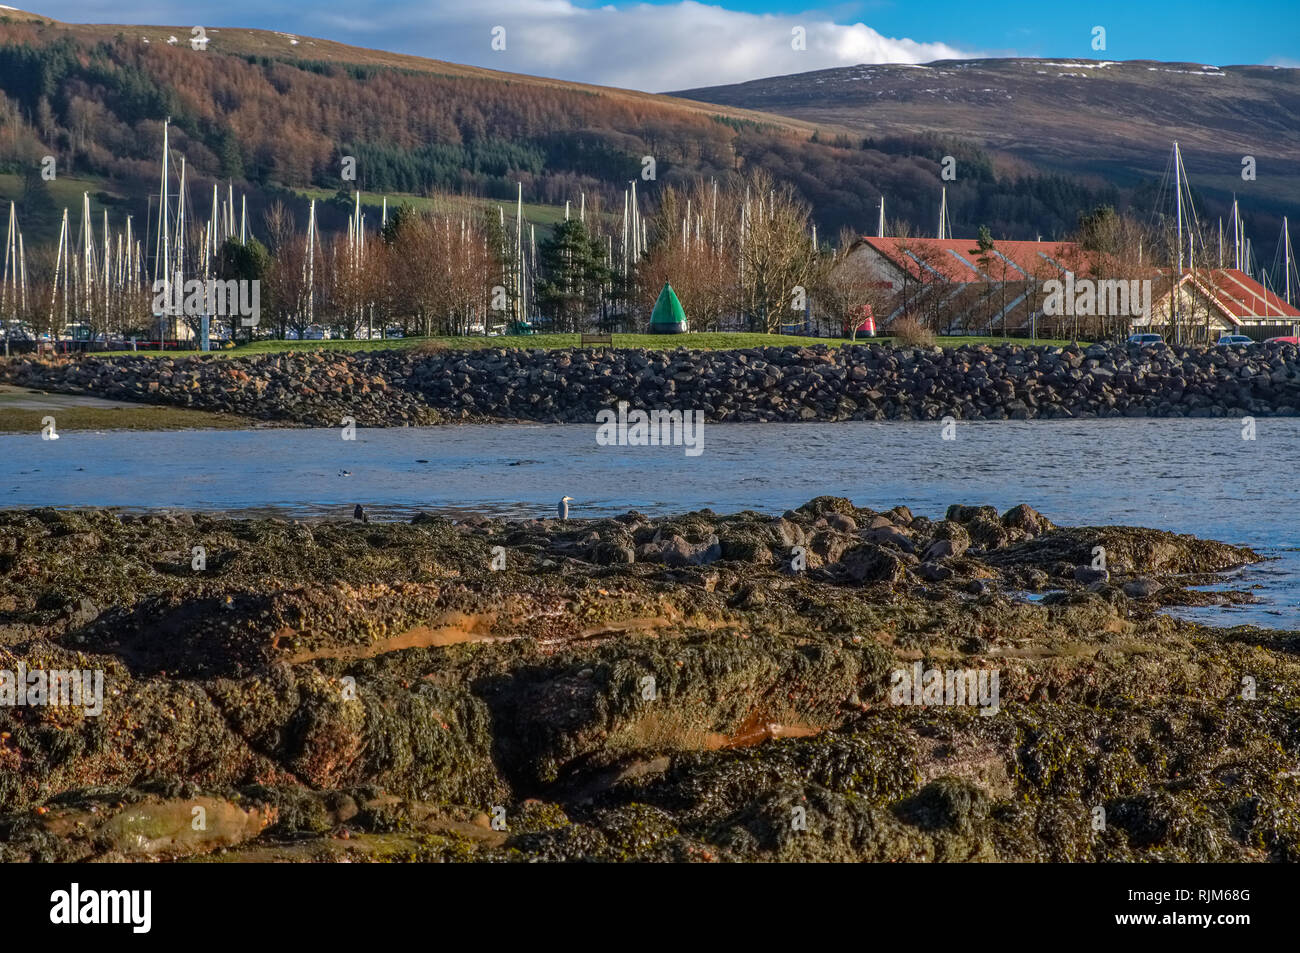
(279, 112)
(276, 114)
(1077, 117)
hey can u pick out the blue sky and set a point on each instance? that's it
(675, 44)
(1219, 33)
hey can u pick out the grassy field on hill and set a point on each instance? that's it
(535, 213)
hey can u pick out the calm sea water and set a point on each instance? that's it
(1189, 476)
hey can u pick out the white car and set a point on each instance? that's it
(1228, 340)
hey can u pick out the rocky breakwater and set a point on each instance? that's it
(860, 382)
(636, 688)
(313, 388)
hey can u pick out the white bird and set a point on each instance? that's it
(563, 509)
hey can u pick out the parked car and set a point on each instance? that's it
(19, 331)
(1145, 340)
(1230, 340)
(393, 332)
(80, 332)
(1285, 339)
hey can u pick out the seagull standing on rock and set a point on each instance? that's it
(562, 511)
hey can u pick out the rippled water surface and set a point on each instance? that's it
(1190, 476)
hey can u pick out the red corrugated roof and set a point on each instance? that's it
(957, 259)
(1242, 296)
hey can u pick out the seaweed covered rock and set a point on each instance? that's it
(636, 688)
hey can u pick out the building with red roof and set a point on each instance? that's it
(954, 286)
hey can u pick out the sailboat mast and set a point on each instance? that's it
(163, 255)
(1286, 259)
(1236, 237)
(60, 263)
(1178, 189)
(4, 286)
(311, 259)
(180, 225)
(521, 307)
(1178, 275)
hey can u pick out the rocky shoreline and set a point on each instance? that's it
(856, 382)
(690, 688)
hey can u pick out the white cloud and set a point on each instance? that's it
(640, 46)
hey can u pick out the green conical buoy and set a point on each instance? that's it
(668, 316)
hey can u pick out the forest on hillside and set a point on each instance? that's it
(273, 124)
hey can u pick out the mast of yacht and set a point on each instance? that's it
(1178, 275)
(117, 287)
(11, 262)
(521, 308)
(1286, 257)
(214, 223)
(210, 244)
(636, 227)
(60, 267)
(128, 269)
(311, 260)
(624, 248)
(880, 226)
(356, 229)
(162, 257)
(180, 227)
(1178, 190)
(1236, 236)
(87, 260)
(9, 259)
(106, 268)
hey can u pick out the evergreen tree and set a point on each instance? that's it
(398, 217)
(574, 275)
(250, 262)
